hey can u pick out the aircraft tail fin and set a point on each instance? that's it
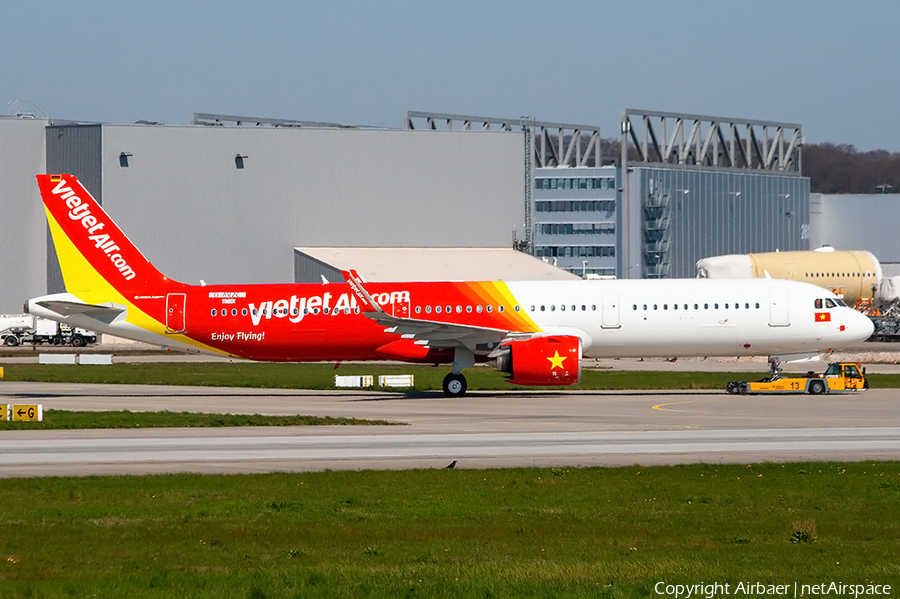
(96, 258)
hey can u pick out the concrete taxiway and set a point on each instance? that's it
(484, 429)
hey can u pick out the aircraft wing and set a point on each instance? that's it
(432, 333)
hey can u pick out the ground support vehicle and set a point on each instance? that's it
(845, 377)
(24, 328)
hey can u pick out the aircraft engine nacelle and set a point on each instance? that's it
(553, 360)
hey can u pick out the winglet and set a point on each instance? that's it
(365, 300)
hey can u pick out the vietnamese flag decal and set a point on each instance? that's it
(823, 316)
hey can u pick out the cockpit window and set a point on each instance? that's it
(818, 304)
(840, 303)
(829, 303)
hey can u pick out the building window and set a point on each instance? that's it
(577, 251)
(575, 206)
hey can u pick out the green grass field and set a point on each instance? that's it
(71, 419)
(321, 376)
(554, 532)
(558, 532)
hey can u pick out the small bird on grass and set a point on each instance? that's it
(452, 464)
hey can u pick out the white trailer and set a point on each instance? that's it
(16, 329)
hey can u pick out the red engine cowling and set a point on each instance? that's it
(554, 360)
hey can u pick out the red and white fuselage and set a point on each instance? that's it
(112, 288)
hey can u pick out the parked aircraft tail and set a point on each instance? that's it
(97, 259)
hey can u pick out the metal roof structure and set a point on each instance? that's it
(674, 139)
(555, 144)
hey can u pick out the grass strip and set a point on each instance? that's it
(71, 419)
(321, 376)
(530, 532)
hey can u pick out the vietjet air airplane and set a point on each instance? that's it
(537, 331)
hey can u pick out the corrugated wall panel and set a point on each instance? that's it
(23, 245)
(75, 150)
(310, 270)
(715, 213)
(183, 200)
(862, 222)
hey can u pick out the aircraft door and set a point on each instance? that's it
(175, 312)
(400, 307)
(779, 315)
(610, 317)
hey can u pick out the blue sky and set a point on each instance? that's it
(831, 66)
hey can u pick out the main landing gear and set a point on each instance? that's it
(455, 384)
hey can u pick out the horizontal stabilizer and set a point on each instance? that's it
(104, 313)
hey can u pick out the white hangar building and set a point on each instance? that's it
(230, 203)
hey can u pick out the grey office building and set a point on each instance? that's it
(575, 218)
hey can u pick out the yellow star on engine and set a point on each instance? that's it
(556, 361)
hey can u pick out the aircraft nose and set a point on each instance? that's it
(860, 326)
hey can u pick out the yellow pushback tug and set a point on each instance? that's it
(844, 377)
